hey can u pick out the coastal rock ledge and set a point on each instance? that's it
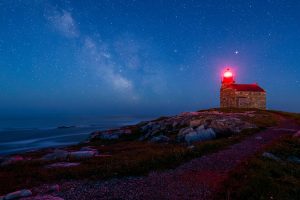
(17, 194)
(186, 127)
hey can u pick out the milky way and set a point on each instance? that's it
(144, 57)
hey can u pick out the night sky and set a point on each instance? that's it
(144, 57)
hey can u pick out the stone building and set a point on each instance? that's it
(234, 95)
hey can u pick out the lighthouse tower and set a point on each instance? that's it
(234, 95)
(227, 78)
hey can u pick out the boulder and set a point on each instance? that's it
(271, 156)
(184, 122)
(82, 154)
(12, 159)
(18, 194)
(148, 133)
(165, 126)
(127, 131)
(56, 155)
(297, 134)
(94, 135)
(227, 126)
(200, 134)
(207, 122)
(155, 126)
(189, 114)
(219, 124)
(54, 188)
(87, 149)
(160, 139)
(191, 147)
(183, 132)
(258, 138)
(43, 197)
(112, 134)
(294, 159)
(149, 126)
(108, 136)
(215, 112)
(222, 124)
(174, 124)
(196, 122)
(62, 165)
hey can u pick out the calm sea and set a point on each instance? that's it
(21, 135)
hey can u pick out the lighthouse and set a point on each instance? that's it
(228, 77)
(233, 95)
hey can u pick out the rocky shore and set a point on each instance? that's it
(183, 130)
(187, 127)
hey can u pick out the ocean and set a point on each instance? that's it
(21, 135)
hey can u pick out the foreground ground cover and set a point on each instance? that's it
(127, 157)
(263, 177)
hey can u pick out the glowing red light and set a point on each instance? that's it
(228, 74)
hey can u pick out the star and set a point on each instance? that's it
(236, 52)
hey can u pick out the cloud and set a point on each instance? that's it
(95, 55)
(135, 82)
(63, 22)
(120, 82)
(123, 67)
(100, 59)
(129, 52)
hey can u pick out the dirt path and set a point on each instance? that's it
(197, 179)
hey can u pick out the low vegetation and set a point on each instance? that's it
(264, 178)
(295, 116)
(127, 157)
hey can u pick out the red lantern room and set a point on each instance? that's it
(228, 77)
(234, 95)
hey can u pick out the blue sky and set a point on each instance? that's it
(144, 57)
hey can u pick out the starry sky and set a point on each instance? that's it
(144, 57)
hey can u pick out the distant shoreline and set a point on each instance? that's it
(21, 140)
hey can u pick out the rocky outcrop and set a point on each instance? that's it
(113, 134)
(17, 194)
(160, 139)
(294, 159)
(297, 134)
(11, 160)
(43, 197)
(83, 153)
(271, 156)
(199, 134)
(44, 192)
(56, 155)
(188, 127)
(62, 165)
(88, 148)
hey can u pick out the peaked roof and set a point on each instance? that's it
(247, 87)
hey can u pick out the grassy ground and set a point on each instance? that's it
(262, 118)
(295, 116)
(263, 178)
(128, 158)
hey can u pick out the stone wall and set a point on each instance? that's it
(227, 98)
(242, 99)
